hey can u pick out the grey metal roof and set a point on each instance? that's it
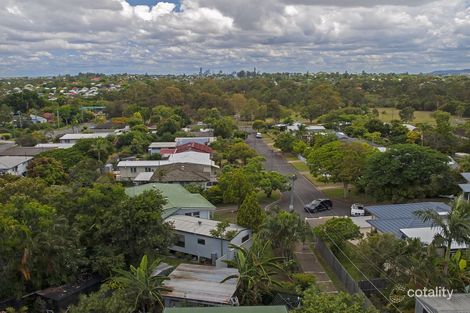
(8, 162)
(201, 283)
(466, 176)
(458, 303)
(465, 187)
(24, 151)
(393, 211)
(199, 226)
(393, 226)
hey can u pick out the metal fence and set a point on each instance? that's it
(348, 282)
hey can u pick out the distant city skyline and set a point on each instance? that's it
(180, 36)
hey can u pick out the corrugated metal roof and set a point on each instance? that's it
(393, 226)
(24, 151)
(466, 176)
(84, 136)
(199, 226)
(177, 196)
(201, 283)
(465, 187)
(426, 235)
(459, 302)
(392, 211)
(8, 162)
(166, 144)
(230, 309)
(184, 157)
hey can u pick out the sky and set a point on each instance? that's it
(50, 37)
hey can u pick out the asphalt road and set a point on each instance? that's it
(304, 190)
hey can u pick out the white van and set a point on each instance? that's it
(258, 135)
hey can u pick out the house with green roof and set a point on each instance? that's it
(232, 309)
(179, 200)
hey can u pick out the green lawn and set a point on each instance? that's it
(225, 216)
(290, 157)
(389, 114)
(354, 197)
(300, 166)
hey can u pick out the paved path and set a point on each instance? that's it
(309, 263)
(304, 190)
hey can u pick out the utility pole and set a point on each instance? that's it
(291, 205)
(58, 119)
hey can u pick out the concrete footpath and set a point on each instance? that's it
(309, 263)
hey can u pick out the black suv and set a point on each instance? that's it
(318, 205)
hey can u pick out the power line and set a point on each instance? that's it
(347, 257)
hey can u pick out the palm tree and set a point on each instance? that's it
(99, 146)
(255, 271)
(141, 286)
(454, 227)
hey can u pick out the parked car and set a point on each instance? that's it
(357, 210)
(318, 205)
(258, 135)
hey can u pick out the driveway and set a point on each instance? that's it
(304, 190)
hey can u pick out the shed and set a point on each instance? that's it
(200, 285)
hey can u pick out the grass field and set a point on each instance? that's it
(354, 197)
(389, 114)
(300, 166)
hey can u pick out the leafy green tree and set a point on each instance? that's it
(285, 142)
(339, 162)
(405, 172)
(272, 181)
(258, 125)
(255, 271)
(325, 97)
(141, 287)
(284, 229)
(315, 301)
(311, 111)
(106, 300)
(250, 214)
(224, 127)
(235, 185)
(220, 231)
(407, 114)
(337, 231)
(48, 169)
(240, 151)
(36, 242)
(454, 227)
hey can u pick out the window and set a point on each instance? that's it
(148, 169)
(195, 214)
(246, 238)
(133, 170)
(180, 241)
(201, 241)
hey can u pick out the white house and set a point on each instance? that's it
(73, 138)
(129, 170)
(195, 238)
(14, 165)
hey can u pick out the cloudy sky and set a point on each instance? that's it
(44, 37)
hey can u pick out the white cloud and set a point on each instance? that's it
(49, 36)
